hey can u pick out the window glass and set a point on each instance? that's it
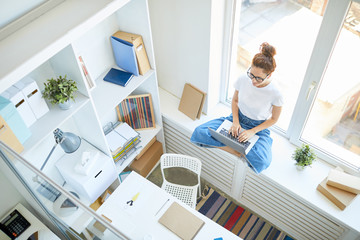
(334, 121)
(291, 26)
(12, 10)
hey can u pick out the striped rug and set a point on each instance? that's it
(237, 219)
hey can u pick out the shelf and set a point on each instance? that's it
(146, 136)
(52, 119)
(108, 95)
(40, 39)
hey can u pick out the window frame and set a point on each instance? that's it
(330, 28)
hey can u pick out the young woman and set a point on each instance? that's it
(256, 105)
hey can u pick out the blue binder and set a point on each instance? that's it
(118, 77)
(124, 54)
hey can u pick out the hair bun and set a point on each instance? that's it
(267, 50)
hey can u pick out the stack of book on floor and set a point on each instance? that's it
(122, 140)
(340, 188)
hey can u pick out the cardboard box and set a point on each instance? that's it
(148, 160)
(192, 101)
(344, 181)
(137, 41)
(8, 137)
(146, 148)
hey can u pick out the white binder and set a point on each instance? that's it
(33, 96)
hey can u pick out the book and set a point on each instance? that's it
(339, 197)
(343, 181)
(89, 81)
(118, 76)
(192, 101)
(181, 222)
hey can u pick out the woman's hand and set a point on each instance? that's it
(246, 135)
(235, 129)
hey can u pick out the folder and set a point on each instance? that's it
(13, 119)
(124, 54)
(115, 140)
(118, 77)
(120, 138)
(8, 137)
(181, 222)
(21, 105)
(192, 101)
(140, 52)
(33, 96)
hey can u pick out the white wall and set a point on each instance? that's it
(188, 43)
(181, 36)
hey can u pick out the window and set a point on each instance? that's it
(17, 13)
(317, 43)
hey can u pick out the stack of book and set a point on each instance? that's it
(122, 140)
(340, 188)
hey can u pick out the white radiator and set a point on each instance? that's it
(287, 212)
(217, 169)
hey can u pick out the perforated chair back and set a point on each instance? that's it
(186, 194)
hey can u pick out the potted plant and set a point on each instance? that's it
(304, 156)
(60, 91)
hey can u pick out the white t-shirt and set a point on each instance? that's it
(256, 103)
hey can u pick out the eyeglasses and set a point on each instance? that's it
(258, 79)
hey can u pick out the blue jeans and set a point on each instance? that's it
(260, 154)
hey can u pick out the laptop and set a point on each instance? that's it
(222, 135)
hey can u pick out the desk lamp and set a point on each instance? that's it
(69, 142)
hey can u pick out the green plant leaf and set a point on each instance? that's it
(59, 90)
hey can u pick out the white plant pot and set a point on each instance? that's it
(300, 168)
(66, 105)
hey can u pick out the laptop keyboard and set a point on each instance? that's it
(226, 133)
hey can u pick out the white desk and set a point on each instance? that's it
(36, 226)
(141, 219)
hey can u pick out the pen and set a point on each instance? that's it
(162, 206)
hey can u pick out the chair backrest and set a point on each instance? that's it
(169, 160)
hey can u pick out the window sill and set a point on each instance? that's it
(282, 172)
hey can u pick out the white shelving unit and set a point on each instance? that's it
(51, 45)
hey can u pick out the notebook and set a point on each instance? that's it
(119, 77)
(181, 222)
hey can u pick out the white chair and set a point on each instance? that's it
(186, 194)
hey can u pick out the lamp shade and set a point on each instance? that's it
(69, 142)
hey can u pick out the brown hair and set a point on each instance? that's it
(265, 58)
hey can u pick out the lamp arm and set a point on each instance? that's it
(47, 158)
